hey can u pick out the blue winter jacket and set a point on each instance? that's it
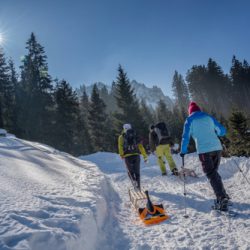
(205, 130)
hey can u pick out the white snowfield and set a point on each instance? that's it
(50, 200)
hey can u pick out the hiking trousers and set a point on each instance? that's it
(133, 167)
(210, 164)
(162, 152)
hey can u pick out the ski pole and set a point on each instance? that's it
(184, 189)
(236, 164)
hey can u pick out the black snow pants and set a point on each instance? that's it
(210, 164)
(133, 167)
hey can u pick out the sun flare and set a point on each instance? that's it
(2, 39)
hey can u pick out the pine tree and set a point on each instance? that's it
(178, 118)
(109, 99)
(128, 106)
(7, 95)
(13, 78)
(239, 134)
(85, 145)
(112, 97)
(218, 89)
(35, 94)
(4, 80)
(181, 94)
(210, 87)
(110, 139)
(240, 76)
(196, 78)
(147, 114)
(97, 120)
(66, 118)
(84, 102)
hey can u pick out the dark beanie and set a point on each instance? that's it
(193, 107)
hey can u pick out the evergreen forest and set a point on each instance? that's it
(37, 107)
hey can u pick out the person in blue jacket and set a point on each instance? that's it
(205, 129)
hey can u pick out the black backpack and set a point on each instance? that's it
(130, 144)
(161, 131)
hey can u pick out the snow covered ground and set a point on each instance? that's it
(51, 200)
(203, 229)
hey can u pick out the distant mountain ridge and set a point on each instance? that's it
(151, 96)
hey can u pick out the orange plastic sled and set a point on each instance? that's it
(152, 214)
(156, 216)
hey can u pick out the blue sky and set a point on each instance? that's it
(85, 40)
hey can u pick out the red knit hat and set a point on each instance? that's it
(193, 107)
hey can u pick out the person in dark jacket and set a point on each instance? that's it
(131, 154)
(161, 145)
(205, 129)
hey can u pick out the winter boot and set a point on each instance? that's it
(230, 203)
(223, 204)
(175, 172)
(163, 174)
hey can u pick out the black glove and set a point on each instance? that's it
(182, 155)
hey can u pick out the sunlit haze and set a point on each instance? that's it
(1, 39)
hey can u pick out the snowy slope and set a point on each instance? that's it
(203, 229)
(51, 200)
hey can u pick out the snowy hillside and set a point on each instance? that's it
(51, 200)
